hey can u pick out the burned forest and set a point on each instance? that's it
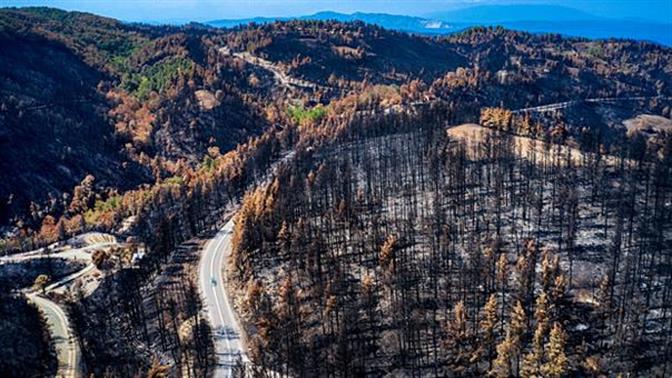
(433, 252)
(331, 197)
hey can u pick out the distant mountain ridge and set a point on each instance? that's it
(510, 13)
(531, 18)
(389, 21)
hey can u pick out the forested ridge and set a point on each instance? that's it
(389, 243)
(151, 103)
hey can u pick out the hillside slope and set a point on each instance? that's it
(134, 105)
(86, 95)
(53, 127)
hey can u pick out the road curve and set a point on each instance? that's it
(282, 78)
(70, 277)
(226, 329)
(67, 349)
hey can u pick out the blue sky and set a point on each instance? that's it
(204, 10)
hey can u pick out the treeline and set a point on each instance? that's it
(405, 254)
(580, 127)
(504, 120)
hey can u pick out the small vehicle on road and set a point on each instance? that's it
(213, 281)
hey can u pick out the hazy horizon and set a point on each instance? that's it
(207, 10)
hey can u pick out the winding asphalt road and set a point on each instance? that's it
(281, 77)
(67, 349)
(226, 328)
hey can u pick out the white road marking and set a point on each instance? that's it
(55, 309)
(214, 289)
(213, 259)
